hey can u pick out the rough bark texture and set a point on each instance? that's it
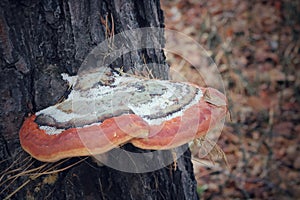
(39, 40)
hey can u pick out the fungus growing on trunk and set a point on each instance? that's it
(104, 111)
(194, 122)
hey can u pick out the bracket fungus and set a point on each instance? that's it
(106, 110)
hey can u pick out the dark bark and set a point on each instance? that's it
(39, 40)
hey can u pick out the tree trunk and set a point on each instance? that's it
(39, 40)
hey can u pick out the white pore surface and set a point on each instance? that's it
(156, 103)
(142, 108)
(71, 79)
(57, 114)
(50, 130)
(122, 92)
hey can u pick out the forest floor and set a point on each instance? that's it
(256, 46)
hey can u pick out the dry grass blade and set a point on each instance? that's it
(52, 171)
(212, 150)
(22, 168)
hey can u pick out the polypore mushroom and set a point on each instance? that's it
(194, 122)
(49, 144)
(104, 111)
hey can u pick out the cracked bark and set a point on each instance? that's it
(39, 40)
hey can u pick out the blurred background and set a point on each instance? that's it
(256, 47)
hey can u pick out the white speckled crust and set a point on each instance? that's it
(178, 113)
(70, 79)
(51, 130)
(96, 97)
